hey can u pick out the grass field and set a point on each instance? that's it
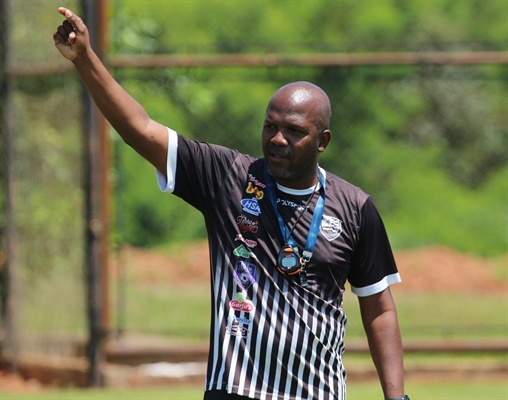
(430, 316)
(422, 315)
(486, 390)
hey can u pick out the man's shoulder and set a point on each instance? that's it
(248, 162)
(341, 185)
(195, 149)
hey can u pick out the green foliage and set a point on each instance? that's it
(429, 143)
(144, 215)
(283, 26)
(429, 208)
(48, 198)
(31, 28)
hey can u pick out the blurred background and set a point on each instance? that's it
(420, 122)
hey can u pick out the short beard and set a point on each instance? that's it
(296, 173)
(286, 174)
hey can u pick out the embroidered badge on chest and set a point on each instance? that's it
(330, 228)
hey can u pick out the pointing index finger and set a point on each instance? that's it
(73, 19)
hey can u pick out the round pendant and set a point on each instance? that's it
(288, 261)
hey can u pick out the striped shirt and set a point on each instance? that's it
(271, 338)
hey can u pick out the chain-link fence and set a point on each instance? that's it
(389, 121)
(42, 150)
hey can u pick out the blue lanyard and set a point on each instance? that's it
(316, 218)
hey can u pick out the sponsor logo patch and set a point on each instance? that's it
(245, 274)
(241, 251)
(245, 306)
(238, 330)
(248, 242)
(251, 189)
(246, 225)
(253, 179)
(251, 206)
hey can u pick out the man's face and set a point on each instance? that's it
(291, 141)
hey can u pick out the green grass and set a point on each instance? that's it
(439, 316)
(183, 312)
(477, 390)
(436, 390)
(160, 393)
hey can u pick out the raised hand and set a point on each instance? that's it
(124, 113)
(71, 38)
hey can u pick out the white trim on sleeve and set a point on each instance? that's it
(167, 185)
(378, 286)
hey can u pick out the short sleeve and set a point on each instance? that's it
(201, 169)
(373, 268)
(167, 183)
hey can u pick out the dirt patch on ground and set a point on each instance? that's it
(436, 268)
(440, 269)
(14, 383)
(185, 265)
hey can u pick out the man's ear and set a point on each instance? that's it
(324, 139)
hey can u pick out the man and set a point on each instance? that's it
(284, 237)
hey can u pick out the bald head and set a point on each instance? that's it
(295, 132)
(306, 95)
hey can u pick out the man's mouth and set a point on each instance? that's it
(277, 154)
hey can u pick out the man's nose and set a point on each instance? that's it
(279, 139)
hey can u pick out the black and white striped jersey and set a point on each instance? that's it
(270, 337)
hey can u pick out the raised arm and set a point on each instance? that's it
(381, 325)
(126, 115)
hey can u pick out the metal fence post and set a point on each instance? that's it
(96, 153)
(9, 266)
